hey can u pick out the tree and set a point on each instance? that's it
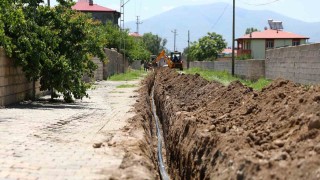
(55, 46)
(154, 43)
(135, 48)
(207, 47)
(251, 30)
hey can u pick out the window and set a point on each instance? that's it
(295, 42)
(269, 43)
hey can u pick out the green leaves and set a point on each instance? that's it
(154, 43)
(135, 48)
(251, 30)
(207, 47)
(53, 45)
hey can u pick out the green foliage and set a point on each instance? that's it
(113, 35)
(128, 76)
(54, 45)
(251, 30)
(135, 48)
(258, 85)
(154, 43)
(226, 78)
(138, 51)
(244, 57)
(126, 86)
(207, 47)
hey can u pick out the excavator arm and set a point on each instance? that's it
(168, 61)
(162, 55)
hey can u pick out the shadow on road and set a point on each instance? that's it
(46, 104)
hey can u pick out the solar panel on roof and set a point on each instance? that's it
(275, 25)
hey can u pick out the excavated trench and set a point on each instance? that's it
(211, 131)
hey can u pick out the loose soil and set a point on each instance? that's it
(213, 131)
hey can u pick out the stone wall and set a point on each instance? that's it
(98, 73)
(249, 69)
(115, 65)
(14, 87)
(136, 65)
(202, 64)
(300, 64)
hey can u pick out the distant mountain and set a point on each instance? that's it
(217, 18)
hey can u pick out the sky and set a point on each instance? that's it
(305, 10)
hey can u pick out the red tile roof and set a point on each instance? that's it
(273, 34)
(228, 51)
(135, 34)
(83, 5)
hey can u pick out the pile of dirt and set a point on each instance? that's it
(213, 131)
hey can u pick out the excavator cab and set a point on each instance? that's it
(176, 60)
(173, 61)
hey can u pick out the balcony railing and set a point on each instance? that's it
(243, 52)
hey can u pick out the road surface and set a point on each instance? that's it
(42, 140)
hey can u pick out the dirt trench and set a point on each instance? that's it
(213, 131)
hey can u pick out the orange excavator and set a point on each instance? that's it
(173, 61)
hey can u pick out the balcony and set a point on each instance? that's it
(243, 52)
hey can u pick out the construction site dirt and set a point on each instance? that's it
(213, 131)
(210, 131)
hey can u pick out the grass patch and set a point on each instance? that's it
(130, 75)
(226, 78)
(126, 86)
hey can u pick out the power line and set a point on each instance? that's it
(220, 17)
(259, 4)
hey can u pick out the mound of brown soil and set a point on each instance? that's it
(213, 131)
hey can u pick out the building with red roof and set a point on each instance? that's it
(135, 34)
(98, 12)
(255, 44)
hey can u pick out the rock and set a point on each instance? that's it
(314, 123)
(240, 175)
(260, 155)
(212, 128)
(317, 148)
(279, 143)
(280, 156)
(97, 145)
(312, 153)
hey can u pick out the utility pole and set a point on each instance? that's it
(138, 23)
(49, 3)
(175, 35)
(123, 40)
(233, 35)
(188, 60)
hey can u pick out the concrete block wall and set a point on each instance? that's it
(202, 64)
(300, 64)
(115, 65)
(249, 69)
(14, 87)
(136, 65)
(222, 66)
(98, 73)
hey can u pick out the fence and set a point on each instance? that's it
(249, 69)
(300, 64)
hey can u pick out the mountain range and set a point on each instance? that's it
(217, 17)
